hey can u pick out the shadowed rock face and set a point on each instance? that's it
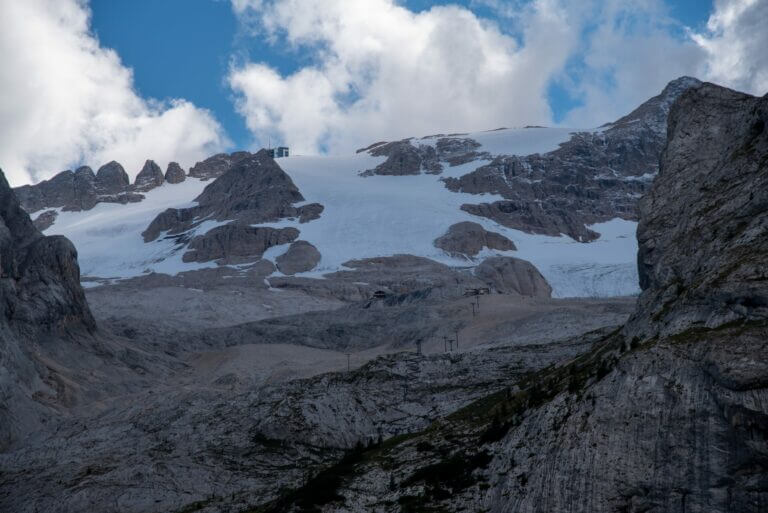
(174, 173)
(72, 191)
(214, 167)
(111, 178)
(149, 177)
(235, 242)
(703, 233)
(300, 257)
(255, 190)
(591, 178)
(40, 297)
(467, 239)
(509, 275)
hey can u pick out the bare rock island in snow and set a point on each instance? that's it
(469, 238)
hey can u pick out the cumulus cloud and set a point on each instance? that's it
(631, 51)
(735, 42)
(382, 71)
(66, 100)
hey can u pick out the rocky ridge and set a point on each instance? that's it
(255, 190)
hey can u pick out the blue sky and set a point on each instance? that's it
(182, 49)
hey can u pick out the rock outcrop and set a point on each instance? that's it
(111, 179)
(593, 177)
(174, 173)
(403, 158)
(300, 257)
(149, 177)
(45, 220)
(255, 190)
(217, 165)
(408, 157)
(68, 190)
(40, 298)
(236, 243)
(509, 275)
(467, 239)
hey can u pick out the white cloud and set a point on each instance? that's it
(380, 71)
(66, 100)
(735, 42)
(383, 72)
(633, 50)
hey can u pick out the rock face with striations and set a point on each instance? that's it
(593, 177)
(703, 232)
(40, 297)
(72, 191)
(217, 165)
(467, 239)
(174, 173)
(149, 177)
(300, 257)
(509, 275)
(255, 190)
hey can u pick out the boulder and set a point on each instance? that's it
(509, 275)
(174, 173)
(300, 257)
(468, 238)
(149, 177)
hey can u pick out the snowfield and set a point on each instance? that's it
(368, 217)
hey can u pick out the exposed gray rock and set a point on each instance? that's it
(255, 190)
(235, 242)
(591, 178)
(467, 239)
(300, 257)
(111, 179)
(40, 299)
(403, 158)
(703, 234)
(509, 275)
(72, 191)
(149, 177)
(217, 165)
(45, 220)
(174, 173)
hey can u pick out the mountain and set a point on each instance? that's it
(392, 381)
(540, 189)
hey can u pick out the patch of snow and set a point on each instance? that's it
(108, 237)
